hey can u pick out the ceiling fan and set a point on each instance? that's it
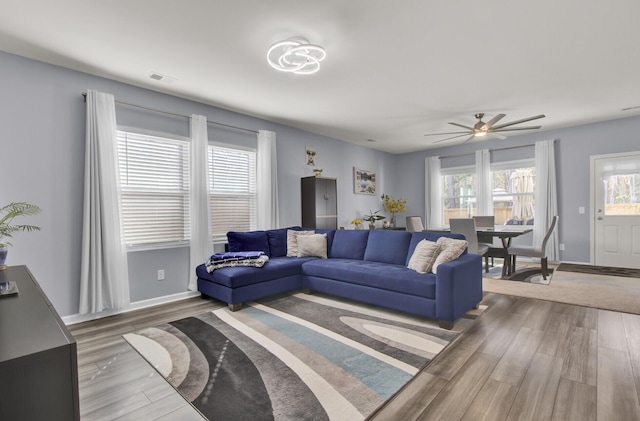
(489, 128)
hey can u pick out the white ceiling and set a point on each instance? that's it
(394, 70)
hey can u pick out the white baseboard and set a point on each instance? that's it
(79, 318)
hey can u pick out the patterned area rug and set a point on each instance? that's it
(296, 357)
(600, 270)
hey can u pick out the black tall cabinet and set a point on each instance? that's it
(319, 203)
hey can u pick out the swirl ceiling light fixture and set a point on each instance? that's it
(296, 55)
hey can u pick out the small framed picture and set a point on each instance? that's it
(364, 181)
(311, 156)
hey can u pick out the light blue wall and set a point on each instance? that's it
(42, 131)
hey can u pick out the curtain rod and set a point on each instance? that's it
(84, 94)
(498, 149)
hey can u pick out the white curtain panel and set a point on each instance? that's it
(433, 194)
(267, 183)
(483, 178)
(546, 197)
(201, 243)
(104, 279)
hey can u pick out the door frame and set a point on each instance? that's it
(592, 198)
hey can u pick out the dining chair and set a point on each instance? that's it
(488, 221)
(467, 227)
(533, 251)
(414, 224)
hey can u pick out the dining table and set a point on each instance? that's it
(505, 233)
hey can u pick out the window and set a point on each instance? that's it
(513, 187)
(459, 192)
(154, 176)
(621, 193)
(232, 191)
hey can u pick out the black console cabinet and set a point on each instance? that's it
(319, 203)
(38, 356)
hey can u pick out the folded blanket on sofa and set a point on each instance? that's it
(237, 258)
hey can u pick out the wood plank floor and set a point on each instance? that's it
(523, 359)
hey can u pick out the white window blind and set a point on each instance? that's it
(154, 175)
(232, 191)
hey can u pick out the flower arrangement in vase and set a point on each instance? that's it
(372, 218)
(357, 223)
(394, 207)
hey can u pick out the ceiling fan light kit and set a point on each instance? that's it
(296, 55)
(489, 128)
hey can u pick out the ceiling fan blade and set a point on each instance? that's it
(463, 126)
(440, 134)
(470, 137)
(518, 121)
(496, 135)
(493, 121)
(449, 138)
(515, 128)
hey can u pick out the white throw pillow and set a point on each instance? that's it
(292, 241)
(314, 245)
(424, 256)
(451, 250)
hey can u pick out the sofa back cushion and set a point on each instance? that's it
(416, 237)
(330, 234)
(249, 241)
(278, 241)
(349, 244)
(388, 246)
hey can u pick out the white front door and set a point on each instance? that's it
(616, 210)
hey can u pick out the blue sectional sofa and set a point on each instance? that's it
(362, 265)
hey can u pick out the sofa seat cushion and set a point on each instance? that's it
(385, 276)
(275, 268)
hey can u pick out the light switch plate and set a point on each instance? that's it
(581, 209)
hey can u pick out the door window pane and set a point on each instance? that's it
(622, 194)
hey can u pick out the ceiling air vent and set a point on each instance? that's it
(161, 78)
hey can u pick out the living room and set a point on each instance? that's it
(43, 161)
(51, 147)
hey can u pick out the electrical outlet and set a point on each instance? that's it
(581, 209)
(160, 274)
(561, 247)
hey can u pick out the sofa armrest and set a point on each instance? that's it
(458, 286)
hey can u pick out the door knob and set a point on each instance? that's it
(600, 218)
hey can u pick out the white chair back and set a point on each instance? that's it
(414, 224)
(466, 227)
(485, 221)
